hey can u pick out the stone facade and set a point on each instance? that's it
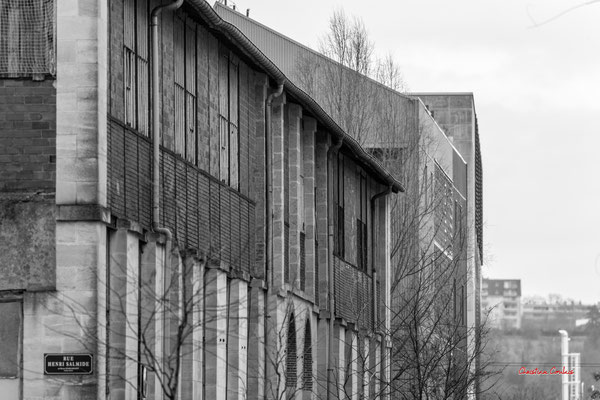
(246, 298)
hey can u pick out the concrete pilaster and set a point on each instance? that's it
(376, 381)
(191, 363)
(198, 331)
(351, 365)
(367, 367)
(123, 324)
(338, 376)
(256, 342)
(322, 343)
(215, 347)
(237, 357)
(151, 260)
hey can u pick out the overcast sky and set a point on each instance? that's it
(538, 105)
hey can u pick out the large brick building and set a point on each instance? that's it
(249, 248)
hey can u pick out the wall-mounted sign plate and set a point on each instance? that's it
(68, 364)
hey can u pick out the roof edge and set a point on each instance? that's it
(202, 7)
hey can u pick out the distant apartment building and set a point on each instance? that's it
(502, 299)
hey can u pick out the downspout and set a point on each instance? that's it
(375, 308)
(156, 137)
(156, 128)
(268, 212)
(333, 150)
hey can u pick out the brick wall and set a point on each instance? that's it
(27, 135)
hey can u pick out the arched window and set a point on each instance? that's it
(291, 357)
(307, 362)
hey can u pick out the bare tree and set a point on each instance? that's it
(348, 81)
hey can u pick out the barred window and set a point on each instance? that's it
(291, 355)
(307, 362)
(228, 118)
(135, 64)
(27, 38)
(185, 89)
(361, 222)
(338, 192)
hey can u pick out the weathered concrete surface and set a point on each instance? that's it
(27, 243)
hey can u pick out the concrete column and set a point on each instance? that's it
(339, 360)
(279, 309)
(198, 332)
(160, 260)
(351, 350)
(367, 368)
(308, 155)
(81, 102)
(256, 342)
(237, 357)
(151, 260)
(278, 188)
(322, 343)
(376, 381)
(296, 186)
(123, 325)
(191, 364)
(215, 346)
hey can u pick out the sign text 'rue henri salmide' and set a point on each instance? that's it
(68, 364)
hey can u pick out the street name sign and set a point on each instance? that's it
(68, 364)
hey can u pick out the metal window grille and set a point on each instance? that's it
(302, 261)
(307, 362)
(185, 89)
(291, 358)
(286, 252)
(135, 64)
(229, 119)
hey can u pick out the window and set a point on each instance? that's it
(338, 205)
(228, 119)
(11, 325)
(291, 359)
(135, 64)
(361, 222)
(185, 89)
(27, 31)
(307, 362)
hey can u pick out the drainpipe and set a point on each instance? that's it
(156, 136)
(268, 212)
(156, 127)
(374, 270)
(333, 150)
